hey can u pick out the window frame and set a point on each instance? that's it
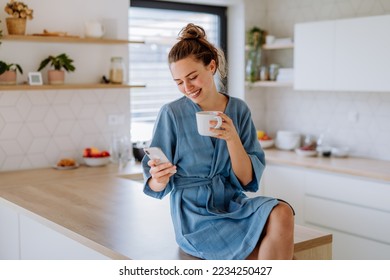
(178, 6)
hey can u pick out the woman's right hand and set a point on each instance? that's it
(160, 174)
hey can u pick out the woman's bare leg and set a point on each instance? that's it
(278, 241)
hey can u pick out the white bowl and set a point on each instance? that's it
(267, 143)
(306, 153)
(287, 140)
(96, 161)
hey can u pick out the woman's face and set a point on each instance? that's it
(193, 79)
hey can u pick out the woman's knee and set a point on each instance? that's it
(283, 213)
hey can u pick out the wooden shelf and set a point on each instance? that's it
(68, 87)
(278, 46)
(269, 84)
(63, 39)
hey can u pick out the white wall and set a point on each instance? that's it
(39, 127)
(91, 61)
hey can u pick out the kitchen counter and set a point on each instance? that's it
(361, 167)
(107, 211)
(98, 207)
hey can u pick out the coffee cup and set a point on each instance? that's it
(203, 119)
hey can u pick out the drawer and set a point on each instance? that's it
(349, 189)
(348, 218)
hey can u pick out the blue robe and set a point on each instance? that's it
(212, 216)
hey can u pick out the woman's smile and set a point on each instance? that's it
(194, 94)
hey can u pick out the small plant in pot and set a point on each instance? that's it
(8, 73)
(60, 63)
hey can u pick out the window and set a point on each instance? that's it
(158, 23)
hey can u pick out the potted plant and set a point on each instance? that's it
(255, 39)
(60, 63)
(8, 73)
(19, 13)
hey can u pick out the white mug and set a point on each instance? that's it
(203, 119)
(94, 29)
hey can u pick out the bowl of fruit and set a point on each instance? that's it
(94, 157)
(265, 140)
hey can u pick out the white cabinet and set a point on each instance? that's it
(39, 242)
(24, 238)
(343, 55)
(9, 232)
(285, 183)
(355, 210)
(313, 55)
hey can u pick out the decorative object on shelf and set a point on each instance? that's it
(273, 72)
(255, 38)
(19, 12)
(35, 79)
(93, 29)
(47, 33)
(8, 73)
(59, 63)
(117, 70)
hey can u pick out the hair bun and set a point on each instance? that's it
(192, 31)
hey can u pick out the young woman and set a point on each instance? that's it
(207, 176)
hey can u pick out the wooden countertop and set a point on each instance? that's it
(98, 207)
(361, 167)
(105, 210)
(108, 212)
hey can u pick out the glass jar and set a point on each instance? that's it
(117, 70)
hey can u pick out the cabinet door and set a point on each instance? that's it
(39, 242)
(313, 55)
(9, 233)
(362, 54)
(355, 211)
(288, 184)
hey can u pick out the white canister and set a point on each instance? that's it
(94, 29)
(117, 70)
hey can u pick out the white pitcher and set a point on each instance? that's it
(94, 29)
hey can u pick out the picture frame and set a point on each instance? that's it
(35, 78)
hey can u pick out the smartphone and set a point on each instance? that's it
(156, 153)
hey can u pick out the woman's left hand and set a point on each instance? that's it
(227, 131)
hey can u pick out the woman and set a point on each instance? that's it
(207, 176)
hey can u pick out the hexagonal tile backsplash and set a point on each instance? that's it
(39, 127)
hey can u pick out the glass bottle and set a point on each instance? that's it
(117, 70)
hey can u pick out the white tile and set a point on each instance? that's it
(63, 112)
(38, 129)
(38, 98)
(11, 148)
(51, 121)
(37, 113)
(24, 106)
(64, 128)
(10, 131)
(12, 163)
(24, 138)
(9, 98)
(38, 160)
(10, 114)
(39, 145)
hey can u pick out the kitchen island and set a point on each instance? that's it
(98, 213)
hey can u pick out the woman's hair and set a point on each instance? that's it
(193, 42)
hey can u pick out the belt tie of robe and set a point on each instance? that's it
(216, 202)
